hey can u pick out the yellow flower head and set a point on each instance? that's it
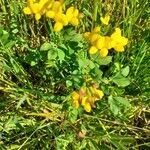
(98, 42)
(53, 9)
(105, 20)
(117, 41)
(75, 97)
(73, 15)
(102, 44)
(37, 8)
(86, 97)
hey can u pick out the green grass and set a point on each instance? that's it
(35, 86)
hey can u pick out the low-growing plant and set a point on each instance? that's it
(67, 74)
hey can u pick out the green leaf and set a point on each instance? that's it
(4, 37)
(97, 73)
(123, 101)
(120, 80)
(125, 71)
(61, 55)
(91, 64)
(15, 31)
(52, 54)
(62, 141)
(103, 60)
(118, 105)
(113, 106)
(50, 63)
(73, 114)
(1, 31)
(68, 83)
(10, 44)
(85, 63)
(33, 63)
(71, 35)
(46, 46)
(14, 147)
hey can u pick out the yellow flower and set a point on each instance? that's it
(87, 107)
(93, 38)
(103, 52)
(96, 93)
(69, 13)
(50, 14)
(73, 15)
(37, 16)
(84, 100)
(86, 35)
(93, 50)
(100, 42)
(103, 44)
(86, 97)
(61, 20)
(75, 97)
(117, 41)
(105, 20)
(58, 26)
(82, 92)
(57, 7)
(74, 21)
(36, 8)
(55, 12)
(43, 4)
(76, 104)
(85, 103)
(96, 29)
(27, 11)
(54, 9)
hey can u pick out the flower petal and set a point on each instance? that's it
(58, 26)
(105, 20)
(27, 11)
(87, 107)
(93, 50)
(50, 14)
(37, 16)
(103, 52)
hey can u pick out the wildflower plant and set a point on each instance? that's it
(66, 70)
(99, 44)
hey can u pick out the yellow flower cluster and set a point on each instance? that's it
(86, 97)
(53, 9)
(102, 44)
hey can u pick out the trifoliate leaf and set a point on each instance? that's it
(120, 80)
